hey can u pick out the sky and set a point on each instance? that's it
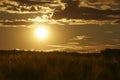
(72, 25)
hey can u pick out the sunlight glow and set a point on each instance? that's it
(41, 19)
(41, 32)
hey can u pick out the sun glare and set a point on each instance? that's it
(41, 32)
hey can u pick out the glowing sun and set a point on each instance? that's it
(41, 32)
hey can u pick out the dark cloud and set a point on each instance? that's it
(14, 16)
(59, 9)
(16, 23)
(103, 1)
(85, 13)
(75, 12)
(32, 2)
(117, 21)
(29, 6)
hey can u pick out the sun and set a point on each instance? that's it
(41, 32)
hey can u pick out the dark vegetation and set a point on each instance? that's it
(31, 65)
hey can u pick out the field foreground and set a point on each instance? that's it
(31, 65)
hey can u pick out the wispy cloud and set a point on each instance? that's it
(84, 9)
(70, 12)
(26, 6)
(81, 37)
(45, 20)
(86, 13)
(30, 6)
(83, 48)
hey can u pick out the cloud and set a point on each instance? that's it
(98, 3)
(109, 32)
(71, 12)
(81, 37)
(86, 13)
(83, 48)
(75, 48)
(74, 43)
(45, 20)
(30, 6)
(17, 22)
(116, 40)
(105, 7)
(32, 2)
(89, 9)
(102, 1)
(19, 7)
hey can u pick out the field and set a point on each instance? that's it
(33, 65)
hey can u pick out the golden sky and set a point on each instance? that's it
(71, 25)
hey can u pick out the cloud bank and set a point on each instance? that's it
(63, 11)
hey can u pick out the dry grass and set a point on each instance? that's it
(27, 65)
